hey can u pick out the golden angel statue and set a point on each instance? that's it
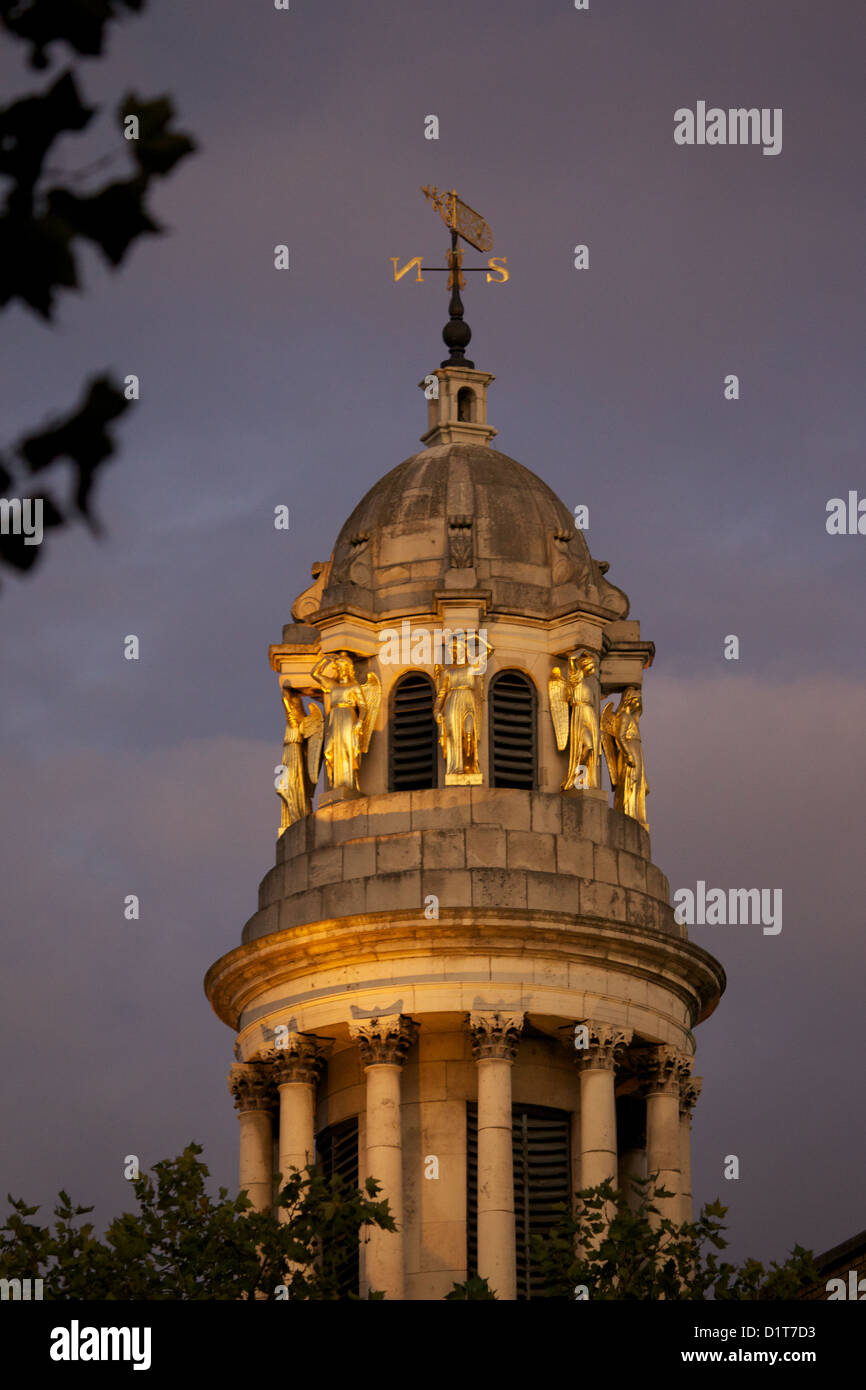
(580, 692)
(302, 755)
(458, 710)
(620, 736)
(353, 708)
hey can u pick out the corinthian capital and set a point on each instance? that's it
(603, 1044)
(298, 1057)
(385, 1040)
(495, 1035)
(663, 1070)
(251, 1086)
(690, 1089)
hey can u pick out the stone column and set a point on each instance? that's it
(690, 1089)
(384, 1044)
(255, 1101)
(494, 1046)
(597, 1062)
(663, 1069)
(296, 1064)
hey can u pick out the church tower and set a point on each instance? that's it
(464, 977)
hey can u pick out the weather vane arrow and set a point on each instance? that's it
(462, 222)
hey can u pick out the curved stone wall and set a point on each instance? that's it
(474, 847)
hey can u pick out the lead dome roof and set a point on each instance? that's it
(413, 527)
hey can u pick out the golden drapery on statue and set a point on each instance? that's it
(458, 711)
(302, 753)
(620, 733)
(579, 693)
(353, 708)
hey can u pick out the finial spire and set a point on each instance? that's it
(461, 221)
(456, 334)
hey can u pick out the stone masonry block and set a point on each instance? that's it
(552, 893)
(642, 911)
(395, 892)
(348, 821)
(359, 858)
(632, 870)
(584, 817)
(271, 886)
(546, 813)
(451, 886)
(604, 865)
(296, 876)
(657, 884)
(445, 808)
(485, 847)
(304, 908)
(498, 888)
(444, 849)
(603, 900)
(506, 807)
(529, 851)
(574, 857)
(326, 865)
(346, 899)
(396, 853)
(389, 815)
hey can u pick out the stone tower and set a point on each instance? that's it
(462, 979)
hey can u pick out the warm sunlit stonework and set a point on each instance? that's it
(406, 997)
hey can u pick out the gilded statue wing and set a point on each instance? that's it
(557, 690)
(313, 731)
(371, 694)
(609, 728)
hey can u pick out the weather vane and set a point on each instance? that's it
(462, 222)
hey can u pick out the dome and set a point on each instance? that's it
(465, 518)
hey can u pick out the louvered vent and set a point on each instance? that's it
(512, 731)
(337, 1151)
(413, 735)
(542, 1178)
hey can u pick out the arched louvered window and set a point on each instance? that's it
(337, 1152)
(413, 731)
(540, 1148)
(512, 731)
(466, 404)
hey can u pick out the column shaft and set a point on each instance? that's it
(297, 1137)
(255, 1100)
(495, 1037)
(384, 1044)
(496, 1235)
(663, 1146)
(256, 1166)
(384, 1264)
(598, 1161)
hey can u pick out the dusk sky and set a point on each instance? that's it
(262, 387)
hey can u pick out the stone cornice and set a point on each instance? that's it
(284, 959)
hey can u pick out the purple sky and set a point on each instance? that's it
(260, 388)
